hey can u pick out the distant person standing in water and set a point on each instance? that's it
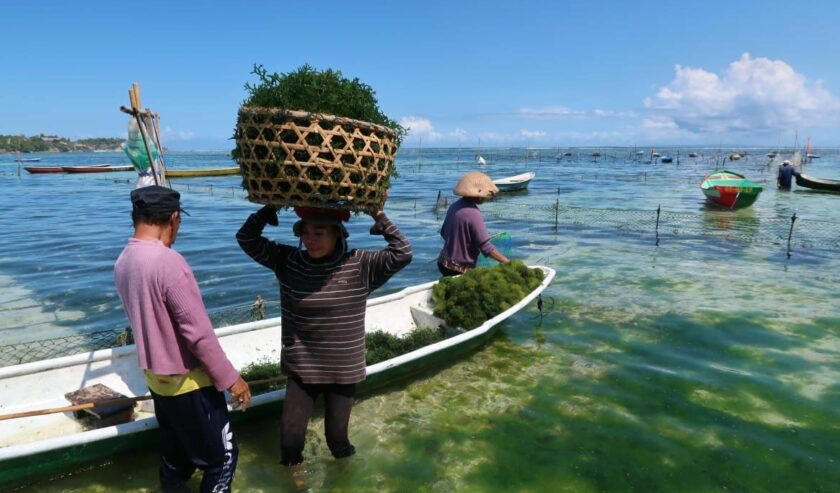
(185, 367)
(464, 234)
(786, 174)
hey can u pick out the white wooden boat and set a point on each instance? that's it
(44, 445)
(516, 182)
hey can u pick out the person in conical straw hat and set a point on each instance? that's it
(464, 234)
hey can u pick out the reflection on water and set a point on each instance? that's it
(745, 222)
(705, 363)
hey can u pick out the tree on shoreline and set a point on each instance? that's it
(53, 143)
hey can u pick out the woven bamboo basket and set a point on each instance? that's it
(294, 158)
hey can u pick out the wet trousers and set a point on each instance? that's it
(297, 409)
(195, 433)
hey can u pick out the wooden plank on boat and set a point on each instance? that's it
(105, 415)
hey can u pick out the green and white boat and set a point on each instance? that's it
(40, 446)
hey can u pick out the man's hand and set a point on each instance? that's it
(241, 393)
(268, 215)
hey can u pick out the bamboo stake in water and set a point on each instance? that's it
(658, 210)
(790, 233)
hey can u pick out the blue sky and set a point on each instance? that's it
(457, 73)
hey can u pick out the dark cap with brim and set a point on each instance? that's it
(155, 199)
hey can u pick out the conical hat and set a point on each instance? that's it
(475, 184)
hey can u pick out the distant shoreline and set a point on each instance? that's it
(60, 152)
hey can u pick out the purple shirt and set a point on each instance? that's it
(464, 233)
(171, 328)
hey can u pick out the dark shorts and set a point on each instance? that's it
(195, 434)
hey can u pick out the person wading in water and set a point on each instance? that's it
(464, 234)
(323, 296)
(185, 367)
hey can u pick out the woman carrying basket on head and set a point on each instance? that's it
(464, 234)
(323, 296)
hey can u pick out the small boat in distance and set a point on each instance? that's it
(730, 189)
(693, 154)
(480, 160)
(734, 156)
(43, 169)
(188, 173)
(667, 159)
(57, 169)
(28, 159)
(96, 168)
(815, 183)
(514, 183)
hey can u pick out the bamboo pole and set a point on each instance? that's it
(134, 99)
(105, 402)
(156, 127)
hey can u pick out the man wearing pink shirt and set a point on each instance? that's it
(186, 370)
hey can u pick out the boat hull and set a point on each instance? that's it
(815, 183)
(95, 169)
(51, 456)
(514, 183)
(43, 169)
(731, 197)
(188, 173)
(731, 190)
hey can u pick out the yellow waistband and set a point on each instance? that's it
(171, 385)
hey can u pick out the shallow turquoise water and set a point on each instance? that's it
(706, 363)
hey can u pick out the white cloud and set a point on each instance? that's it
(561, 112)
(420, 128)
(612, 113)
(659, 124)
(532, 134)
(459, 134)
(752, 95)
(549, 112)
(170, 134)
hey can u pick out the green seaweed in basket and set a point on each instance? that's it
(319, 91)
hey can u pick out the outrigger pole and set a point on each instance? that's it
(108, 402)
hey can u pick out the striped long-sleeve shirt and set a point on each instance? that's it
(323, 302)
